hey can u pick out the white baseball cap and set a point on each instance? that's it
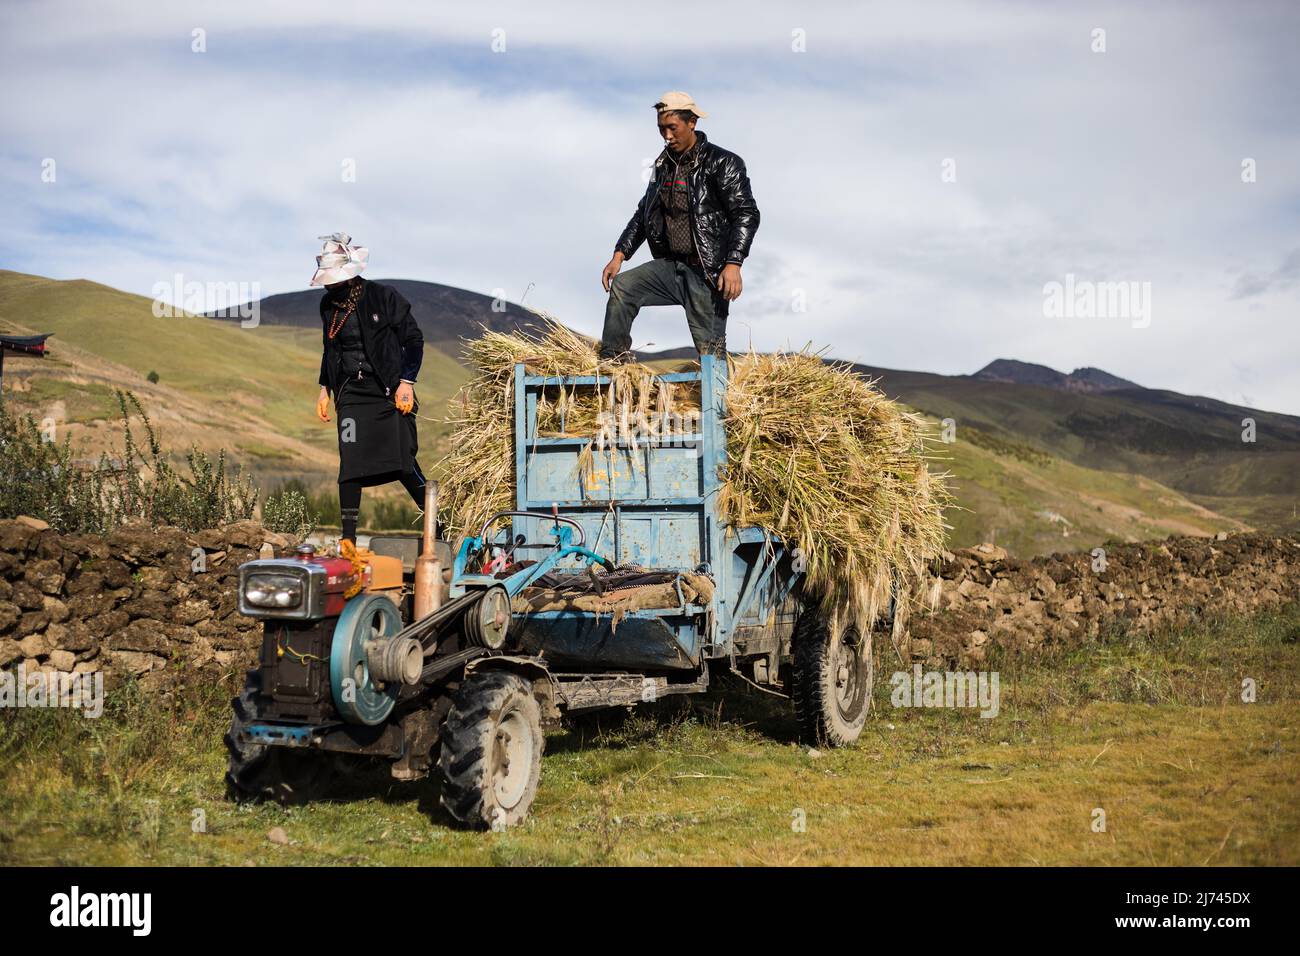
(677, 100)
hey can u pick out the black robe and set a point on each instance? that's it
(375, 439)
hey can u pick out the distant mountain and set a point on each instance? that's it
(1088, 379)
(445, 314)
(1027, 373)
(1190, 443)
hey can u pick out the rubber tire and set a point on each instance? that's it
(813, 681)
(259, 773)
(468, 743)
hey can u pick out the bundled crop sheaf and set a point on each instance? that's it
(815, 454)
(820, 457)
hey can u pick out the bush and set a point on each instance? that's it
(288, 510)
(43, 478)
(390, 515)
(152, 377)
(49, 481)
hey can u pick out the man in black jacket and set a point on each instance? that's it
(699, 217)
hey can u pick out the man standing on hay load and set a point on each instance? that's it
(700, 218)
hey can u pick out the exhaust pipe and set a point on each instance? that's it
(428, 569)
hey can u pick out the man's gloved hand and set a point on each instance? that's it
(323, 405)
(405, 398)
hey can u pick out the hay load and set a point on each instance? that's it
(815, 454)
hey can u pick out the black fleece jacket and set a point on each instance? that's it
(393, 343)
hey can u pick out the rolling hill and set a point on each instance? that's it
(445, 314)
(251, 391)
(1036, 467)
(1190, 443)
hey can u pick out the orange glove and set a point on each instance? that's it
(352, 553)
(323, 406)
(404, 399)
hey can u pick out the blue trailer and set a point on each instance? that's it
(614, 581)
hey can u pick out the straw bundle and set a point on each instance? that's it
(816, 455)
(820, 457)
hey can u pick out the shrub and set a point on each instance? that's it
(288, 510)
(49, 481)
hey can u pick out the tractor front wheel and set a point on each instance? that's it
(258, 772)
(490, 758)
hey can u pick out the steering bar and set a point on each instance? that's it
(482, 535)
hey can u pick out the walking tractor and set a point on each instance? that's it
(613, 582)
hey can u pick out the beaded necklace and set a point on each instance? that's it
(346, 309)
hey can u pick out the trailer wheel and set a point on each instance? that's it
(258, 772)
(831, 681)
(491, 754)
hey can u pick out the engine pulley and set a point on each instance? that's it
(359, 695)
(488, 622)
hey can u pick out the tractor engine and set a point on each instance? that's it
(326, 656)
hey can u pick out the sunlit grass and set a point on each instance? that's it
(1152, 730)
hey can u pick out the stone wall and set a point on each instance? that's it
(144, 602)
(988, 599)
(132, 603)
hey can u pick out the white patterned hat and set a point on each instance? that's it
(339, 260)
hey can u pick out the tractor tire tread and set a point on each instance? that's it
(465, 742)
(811, 680)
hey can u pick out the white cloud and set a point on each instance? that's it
(493, 171)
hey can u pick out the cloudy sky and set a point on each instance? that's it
(924, 170)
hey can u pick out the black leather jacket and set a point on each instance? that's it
(724, 216)
(393, 343)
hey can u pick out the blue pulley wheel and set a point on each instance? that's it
(358, 700)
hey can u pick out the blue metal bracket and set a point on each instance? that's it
(279, 735)
(516, 582)
(771, 557)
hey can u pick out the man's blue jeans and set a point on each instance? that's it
(665, 282)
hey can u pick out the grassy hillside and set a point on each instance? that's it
(1193, 445)
(1021, 478)
(252, 391)
(1033, 503)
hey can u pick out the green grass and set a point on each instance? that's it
(1150, 729)
(86, 402)
(1008, 493)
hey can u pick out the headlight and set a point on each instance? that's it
(273, 590)
(282, 588)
